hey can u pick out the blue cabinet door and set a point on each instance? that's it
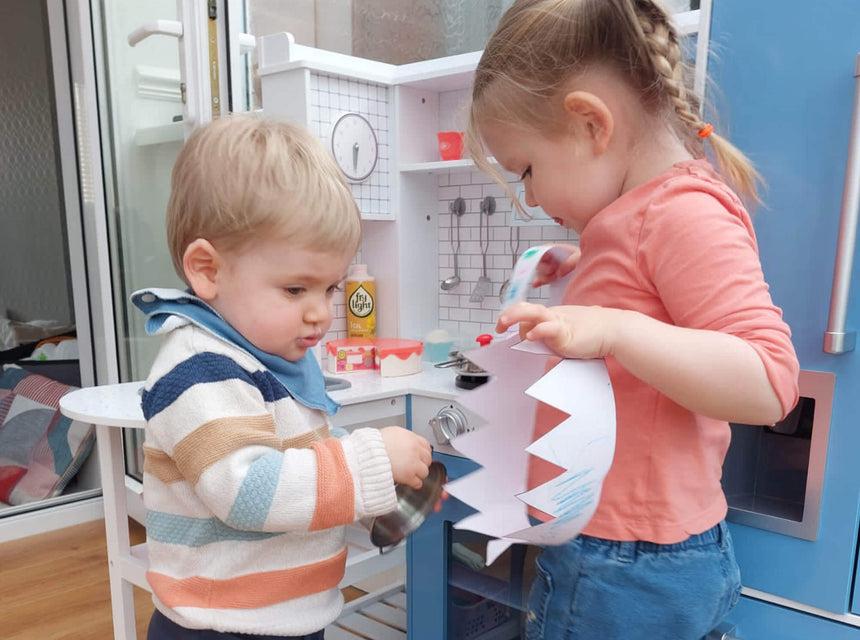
(427, 561)
(757, 620)
(785, 72)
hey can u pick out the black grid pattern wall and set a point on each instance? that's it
(331, 97)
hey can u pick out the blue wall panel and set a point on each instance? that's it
(785, 76)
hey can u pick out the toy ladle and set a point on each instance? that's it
(457, 209)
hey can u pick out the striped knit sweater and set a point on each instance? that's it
(246, 493)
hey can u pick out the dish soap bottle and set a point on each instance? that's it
(360, 303)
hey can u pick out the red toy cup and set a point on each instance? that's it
(450, 144)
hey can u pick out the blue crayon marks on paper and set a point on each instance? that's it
(574, 495)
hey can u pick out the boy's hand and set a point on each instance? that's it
(410, 455)
(551, 268)
(444, 496)
(570, 331)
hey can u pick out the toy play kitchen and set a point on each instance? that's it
(787, 72)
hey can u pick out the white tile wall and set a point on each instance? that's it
(457, 314)
(332, 96)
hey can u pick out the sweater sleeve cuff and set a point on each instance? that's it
(374, 482)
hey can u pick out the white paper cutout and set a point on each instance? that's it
(524, 274)
(583, 444)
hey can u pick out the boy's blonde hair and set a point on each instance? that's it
(540, 45)
(243, 177)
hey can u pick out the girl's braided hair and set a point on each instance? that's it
(540, 45)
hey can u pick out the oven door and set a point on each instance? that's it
(451, 594)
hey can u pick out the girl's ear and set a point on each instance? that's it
(201, 262)
(592, 116)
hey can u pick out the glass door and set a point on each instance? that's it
(157, 67)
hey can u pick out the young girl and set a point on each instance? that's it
(586, 101)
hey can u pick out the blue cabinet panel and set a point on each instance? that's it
(785, 77)
(756, 620)
(427, 558)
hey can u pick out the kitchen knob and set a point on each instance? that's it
(449, 423)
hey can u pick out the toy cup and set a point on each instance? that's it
(450, 144)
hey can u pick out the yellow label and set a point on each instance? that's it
(360, 309)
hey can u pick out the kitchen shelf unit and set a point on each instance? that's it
(401, 246)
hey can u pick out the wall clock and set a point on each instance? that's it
(355, 147)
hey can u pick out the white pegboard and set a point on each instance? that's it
(457, 314)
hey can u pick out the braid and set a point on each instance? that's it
(540, 45)
(663, 49)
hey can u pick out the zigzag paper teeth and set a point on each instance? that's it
(584, 385)
(590, 394)
(581, 444)
(483, 487)
(568, 495)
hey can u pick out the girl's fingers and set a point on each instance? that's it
(525, 314)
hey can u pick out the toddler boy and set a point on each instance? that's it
(247, 494)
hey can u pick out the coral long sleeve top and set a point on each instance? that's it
(680, 249)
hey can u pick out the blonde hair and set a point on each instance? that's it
(540, 45)
(243, 177)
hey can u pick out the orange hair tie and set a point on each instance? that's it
(705, 131)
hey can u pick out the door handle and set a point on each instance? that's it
(156, 27)
(192, 32)
(247, 43)
(836, 339)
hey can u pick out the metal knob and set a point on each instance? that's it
(449, 423)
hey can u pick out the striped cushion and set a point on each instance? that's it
(41, 450)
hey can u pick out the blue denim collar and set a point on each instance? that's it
(168, 309)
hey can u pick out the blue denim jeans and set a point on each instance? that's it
(595, 589)
(163, 628)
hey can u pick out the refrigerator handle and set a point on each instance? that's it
(836, 339)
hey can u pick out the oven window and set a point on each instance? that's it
(487, 602)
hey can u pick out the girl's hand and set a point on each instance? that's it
(551, 268)
(570, 331)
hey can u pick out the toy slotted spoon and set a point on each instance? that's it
(484, 286)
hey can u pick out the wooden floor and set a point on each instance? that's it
(55, 586)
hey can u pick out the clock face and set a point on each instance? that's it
(354, 145)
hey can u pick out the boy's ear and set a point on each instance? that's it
(592, 116)
(201, 262)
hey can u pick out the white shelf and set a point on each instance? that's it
(441, 166)
(442, 74)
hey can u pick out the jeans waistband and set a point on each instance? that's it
(629, 550)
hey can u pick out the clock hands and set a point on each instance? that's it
(353, 131)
